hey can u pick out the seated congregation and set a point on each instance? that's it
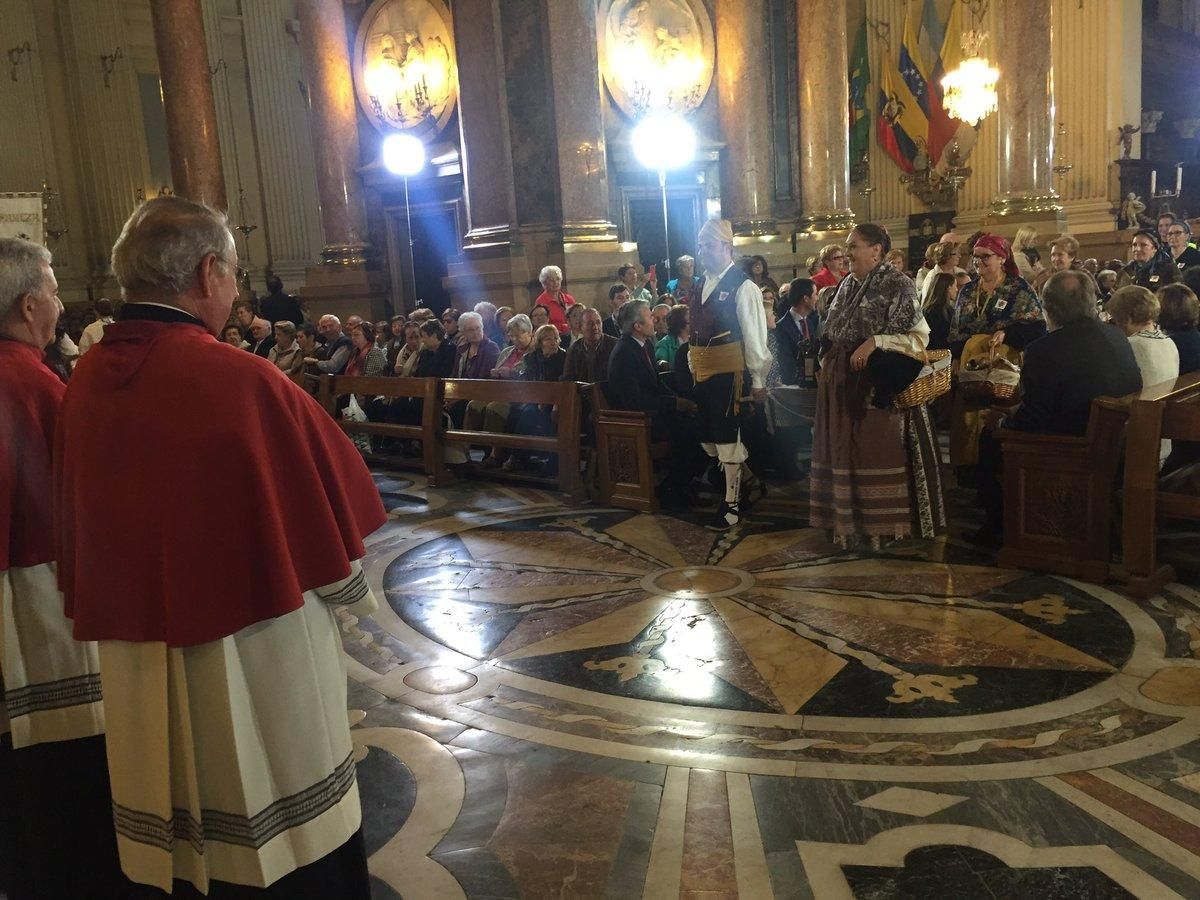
(838, 380)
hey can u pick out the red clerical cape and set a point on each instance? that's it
(200, 491)
(30, 396)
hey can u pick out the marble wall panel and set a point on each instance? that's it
(531, 123)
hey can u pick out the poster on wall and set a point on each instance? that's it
(924, 229)
(21, 215)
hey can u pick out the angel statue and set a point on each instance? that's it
(1131, 212)
(1125, 138)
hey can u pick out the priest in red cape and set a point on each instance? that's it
(207, 562)
(56, 833)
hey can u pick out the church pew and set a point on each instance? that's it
(1170, 410)
(564, 396)
(625, 455)
(427, 389)
(1058, 495)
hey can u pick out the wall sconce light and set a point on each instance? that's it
(15, 54)
(108, 61)
(1061, 167)
(55, 217)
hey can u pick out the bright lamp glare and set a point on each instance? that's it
(403, 154)
(664, 143)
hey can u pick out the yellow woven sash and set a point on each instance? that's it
(724, 359)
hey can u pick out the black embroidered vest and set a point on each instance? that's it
(719, 314)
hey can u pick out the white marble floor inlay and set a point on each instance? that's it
(910, 801)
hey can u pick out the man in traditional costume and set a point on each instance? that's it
(728, 356)
(209, 581)
(56, 836)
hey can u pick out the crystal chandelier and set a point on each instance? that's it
(970, 89)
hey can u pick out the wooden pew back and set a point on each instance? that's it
(625, 455)
(1058, 495)
(437, 392)
(1170, 411)
(427, 389)
(564, 396)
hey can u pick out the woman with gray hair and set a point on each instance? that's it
(286, 355)
(487, 313)
(494, 416)
(686, 267)
(477, 354)
(554, 298)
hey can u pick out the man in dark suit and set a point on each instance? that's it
(262, 338)
(1079, 360)
(279, 305)
(618, 296)
(796, 334)
(633, 383)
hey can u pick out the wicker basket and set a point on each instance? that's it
(926, 388)
(980, 384)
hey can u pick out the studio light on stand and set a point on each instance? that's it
(404, 155)
(663, 144)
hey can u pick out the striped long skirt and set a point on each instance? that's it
(875, 472)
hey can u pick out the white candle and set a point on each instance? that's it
(1178, 178)
(1153, 181)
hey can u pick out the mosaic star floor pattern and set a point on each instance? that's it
(565, 701)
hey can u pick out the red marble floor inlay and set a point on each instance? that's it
(1174, 829)
(708, 868)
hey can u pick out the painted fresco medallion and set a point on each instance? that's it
(405, 72)
(656, 56)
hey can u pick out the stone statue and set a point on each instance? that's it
(1131, 212)
(1125, 138)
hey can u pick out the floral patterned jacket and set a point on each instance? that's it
(1013, 308)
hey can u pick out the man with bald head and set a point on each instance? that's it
(332, 358)
(587, 358)
(261, 338)
(728, 356)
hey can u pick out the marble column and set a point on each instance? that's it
(333, 126)
(483, 123)
(188, 101)
(493, 263)
(579, 121)
(1025, 117)
(743, 79)
(823, 64)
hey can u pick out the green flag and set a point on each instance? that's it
(860, 80)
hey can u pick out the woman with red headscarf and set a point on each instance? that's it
(997, 312)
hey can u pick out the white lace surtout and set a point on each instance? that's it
(51, 682)
(231, 760)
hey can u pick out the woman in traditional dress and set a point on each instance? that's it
(875, 471)
(998, 313)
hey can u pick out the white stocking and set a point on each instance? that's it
(733, 482)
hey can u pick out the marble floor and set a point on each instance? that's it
(560, 702)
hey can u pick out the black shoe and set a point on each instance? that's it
(727, 516)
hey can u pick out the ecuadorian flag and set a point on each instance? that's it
(903, 122)
(930, 41)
